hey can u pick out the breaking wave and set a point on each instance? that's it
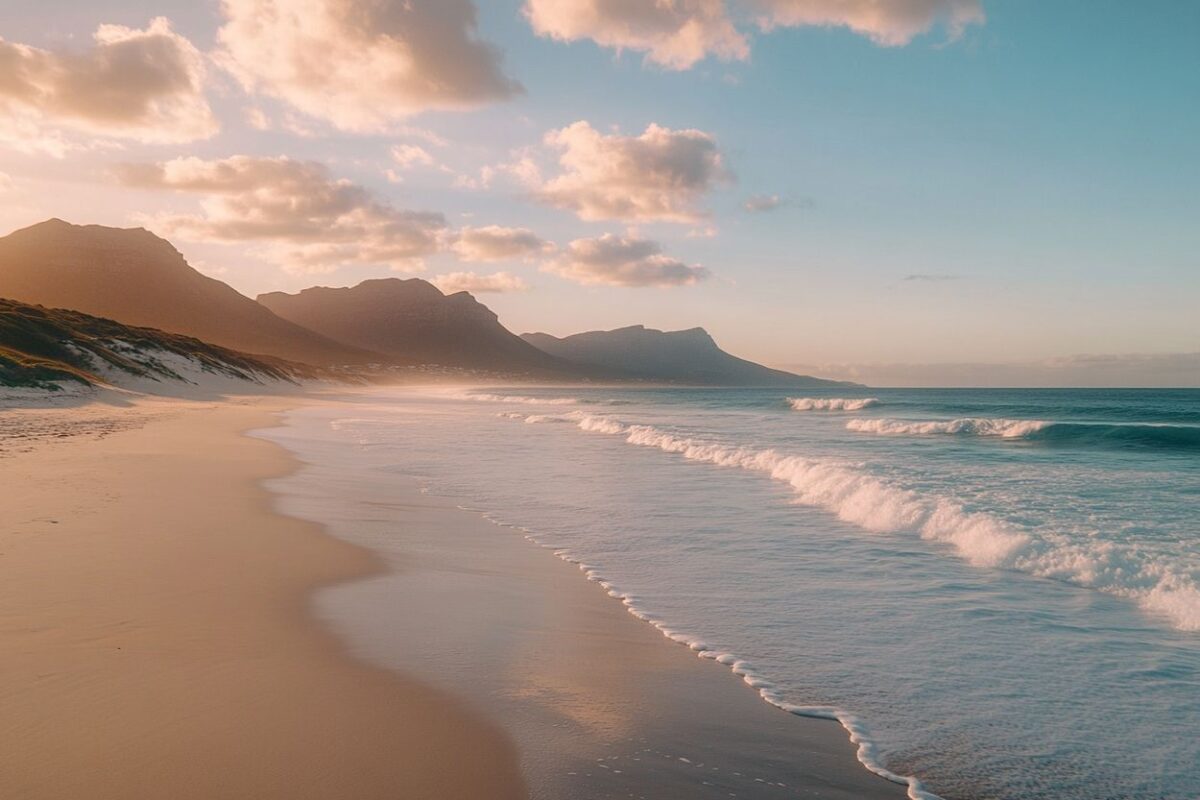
(831, 403)
(1076, 434)
(1004, 428)
(516, 399)
(980, 539)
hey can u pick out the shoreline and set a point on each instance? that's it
(158, 632)
(431, 543)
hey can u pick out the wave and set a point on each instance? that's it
(980, 539)
(831, 403)
(1079, 434)
(516, 399)
(866, 750)
(1005, 428)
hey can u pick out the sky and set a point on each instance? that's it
(900, 193)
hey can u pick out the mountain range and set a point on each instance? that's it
(411, 322)
(137, 278)
(132, 277)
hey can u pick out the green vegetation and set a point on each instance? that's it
(42, 348)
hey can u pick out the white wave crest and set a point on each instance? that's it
(979, 538)
(1004, 428)
(516, 399)
(866, 750)
(831, 403)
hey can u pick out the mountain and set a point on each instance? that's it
(412, 322)
(44, 348)
(135, 277)
(689, 356)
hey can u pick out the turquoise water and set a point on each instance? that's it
(996, 591)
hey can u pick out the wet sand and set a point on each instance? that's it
(600, 704)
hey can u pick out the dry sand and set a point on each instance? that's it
(155, 634)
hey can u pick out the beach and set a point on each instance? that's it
(156, 634)
(168, 632)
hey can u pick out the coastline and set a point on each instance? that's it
(599, 703)
(158, 636)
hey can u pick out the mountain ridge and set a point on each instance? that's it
(50, 348)
(412, 322)
(138, 278)
(685, 356)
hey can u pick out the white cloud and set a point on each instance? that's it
(307, 220)
(758, 203)
(496, 243)
(931, 277)
(660, 175)
(362, 65)
(6, 182)
(623, 261)
(257, 118)
(675, 34)
(891, 23)
(496, 282)
(144, 85)
(408, 156)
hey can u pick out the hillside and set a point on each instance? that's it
(689, 356)
(42, 348)
(412, 322)
(137, 278)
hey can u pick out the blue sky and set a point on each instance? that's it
(1026, 189)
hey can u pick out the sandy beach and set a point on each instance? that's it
(168, 634)
(156, 636)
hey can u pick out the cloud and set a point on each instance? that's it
(934, 277)
(362, 65)
(890, 23)
(659, 175)
(674, 34)
(496, 243)
(616, 261)
(143, 85)
(6, 182)
(758, 203)
(408, 156)
(497, 282)
(307, 220)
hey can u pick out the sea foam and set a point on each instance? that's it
(831, 403)
(516, 399)
(1004, 428)
(979, 538)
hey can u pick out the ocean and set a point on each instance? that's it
(997, 592)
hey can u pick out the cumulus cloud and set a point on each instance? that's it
(307, 220)
(144, 85)
(496, 243)
(891, 23)
(674, 34)
(618, 261)
(497, 282)
(362, 65)
(660, 175)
